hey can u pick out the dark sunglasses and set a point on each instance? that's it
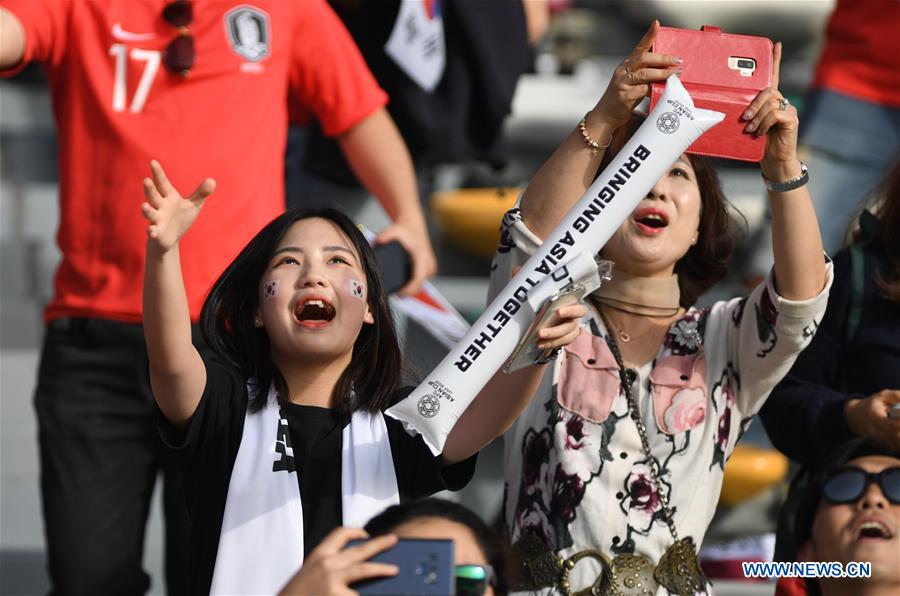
(179, 54)
(473, 580)
(847, 485)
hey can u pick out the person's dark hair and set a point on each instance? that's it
(227, 322)
(706, 262)
(397, 515)
(889, 233)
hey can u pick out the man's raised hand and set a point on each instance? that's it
(170, 215)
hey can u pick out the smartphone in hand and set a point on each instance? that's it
(526, 351)
(894, 412)
(395, 265)
(722, 72)
(426, 567)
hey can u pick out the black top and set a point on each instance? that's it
(486, 49)
(804, 415)
(316, 441)
(209, 446)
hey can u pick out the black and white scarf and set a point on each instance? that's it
(261, 541)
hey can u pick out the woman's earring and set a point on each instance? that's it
(257, 322)
(694, 241)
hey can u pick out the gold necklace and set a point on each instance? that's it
(617, 328)
(624, 336)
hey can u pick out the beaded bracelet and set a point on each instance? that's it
(595, 147)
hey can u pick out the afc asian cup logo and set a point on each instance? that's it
(668, 122)
(429, 406)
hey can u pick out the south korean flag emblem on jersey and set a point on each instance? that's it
(248, 31)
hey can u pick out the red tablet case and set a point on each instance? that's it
(714, 85)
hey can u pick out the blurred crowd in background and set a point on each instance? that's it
(514, 78)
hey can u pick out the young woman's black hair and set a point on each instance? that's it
(397, 515)
(227, 322)
(889, 233)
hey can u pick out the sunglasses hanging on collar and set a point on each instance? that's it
(178, 56)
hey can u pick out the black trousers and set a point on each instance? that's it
(100, 457)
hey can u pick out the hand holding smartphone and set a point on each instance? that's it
(722, 72)
(395, 265)
(426, 567)
(526, 351)
(894, 412)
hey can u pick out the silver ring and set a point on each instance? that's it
(783, 103)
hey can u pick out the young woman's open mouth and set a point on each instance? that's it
(650, 220)
(313, 312)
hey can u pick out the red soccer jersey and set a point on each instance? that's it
(862, 51)
(117, 107)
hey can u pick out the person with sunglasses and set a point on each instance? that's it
(848, 511)
(208, 88)
(479, 556)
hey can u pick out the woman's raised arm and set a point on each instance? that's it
(796, 241)
(506, 396)
(177, 373)
(568, 173)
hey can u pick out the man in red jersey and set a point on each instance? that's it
(851, 117)
(207, 88)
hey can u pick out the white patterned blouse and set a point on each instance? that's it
(574, 469)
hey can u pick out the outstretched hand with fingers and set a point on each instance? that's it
(631, 80)
(772, 115)
(170, 215)
(870, 417)
(332, 567)
(414, 238)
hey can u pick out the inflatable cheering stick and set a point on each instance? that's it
(435, 405)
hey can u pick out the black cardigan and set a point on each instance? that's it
(804, 415)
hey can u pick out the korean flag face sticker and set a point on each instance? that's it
(357, 289)
(270, 289)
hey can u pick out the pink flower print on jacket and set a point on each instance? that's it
(579, 452)
(510, 218)
(766, 318)
(723, 399)
(568, 491)
(574, 434)
(678, 384)
(688, 409)
(719, 452)
(533, 502)
(641, 501)
(548, 496)
(588, 378)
